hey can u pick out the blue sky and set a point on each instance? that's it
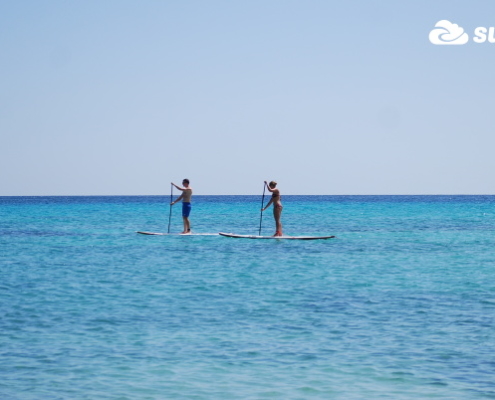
(349, 97)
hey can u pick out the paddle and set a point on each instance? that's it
(262, 201)
(170, 213)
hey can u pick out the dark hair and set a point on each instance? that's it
(185, 181)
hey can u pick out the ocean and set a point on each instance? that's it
(400, 305)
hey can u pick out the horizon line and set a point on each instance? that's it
(162, 195)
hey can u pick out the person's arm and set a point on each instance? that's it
(270, 189)
(178, 187)
(268, 205)
(178, 198)
(271, 200)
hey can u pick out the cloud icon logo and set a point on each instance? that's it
(446, 32)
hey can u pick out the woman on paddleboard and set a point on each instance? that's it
(277, 206)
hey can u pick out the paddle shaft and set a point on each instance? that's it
(170, 212)
(262, 204)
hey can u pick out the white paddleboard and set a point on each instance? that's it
(232, 235)
(176, 234)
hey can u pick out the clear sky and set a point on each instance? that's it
(120, 97)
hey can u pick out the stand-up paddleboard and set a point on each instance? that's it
(232, 235)
(176, 234)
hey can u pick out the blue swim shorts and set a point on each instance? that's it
(186, 209)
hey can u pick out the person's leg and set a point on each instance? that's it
(277, 214)
(186, 209)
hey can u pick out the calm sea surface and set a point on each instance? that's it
(401, 305)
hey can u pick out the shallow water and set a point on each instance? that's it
(400, 305)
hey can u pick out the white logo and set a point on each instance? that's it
(446, 32)
(481, 34)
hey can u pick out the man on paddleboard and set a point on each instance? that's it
(186, 204)
(277, 206)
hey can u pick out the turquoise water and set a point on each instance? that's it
(401, 305)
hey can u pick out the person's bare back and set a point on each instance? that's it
(187, 194)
